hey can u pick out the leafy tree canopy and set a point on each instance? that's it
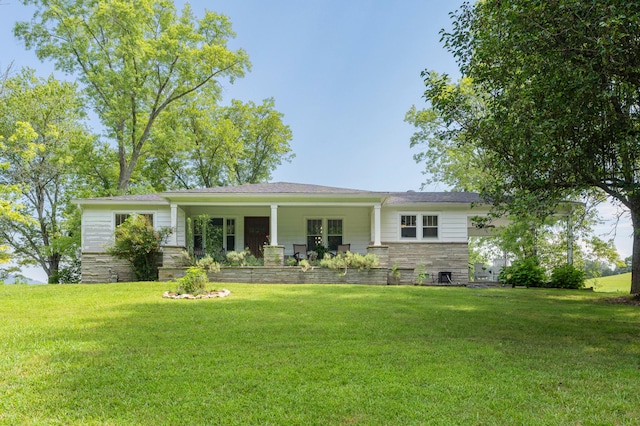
(135, 59)
(560, 82)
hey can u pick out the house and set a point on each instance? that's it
(409, 231)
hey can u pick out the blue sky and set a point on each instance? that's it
(343, 73)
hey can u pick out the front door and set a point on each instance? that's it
(256, 233)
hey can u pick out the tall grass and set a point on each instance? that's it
(316, 354)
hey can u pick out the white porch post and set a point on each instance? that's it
(376, 225)
(273, 237)
(173, 238)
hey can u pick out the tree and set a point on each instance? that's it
(562, 80)
(135, 59)
(40, 119)
(452, 158)
(205, 145)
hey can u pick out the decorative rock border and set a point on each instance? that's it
(209, 295)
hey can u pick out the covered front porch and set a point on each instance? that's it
(221, 228)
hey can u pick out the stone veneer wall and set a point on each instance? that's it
(103, 268)
(285, 275)
(435, 258)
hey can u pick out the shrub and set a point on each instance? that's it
(567, 276)
(137, 241)
(242, 258)
(193, 282)
(291, 261)
(526, 272)
(350, 260)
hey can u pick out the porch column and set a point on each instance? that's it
(173, 238)
(376, 225)
(273, 237)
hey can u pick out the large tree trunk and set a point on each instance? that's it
(635, 263)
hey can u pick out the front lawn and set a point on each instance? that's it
(316, 354)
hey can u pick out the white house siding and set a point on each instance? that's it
(292, 225)
(452, 224)
(98, 224)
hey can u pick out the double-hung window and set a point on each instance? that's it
(419, 226)
(408, 226)
(429, 226)
(314, 233)
(324, 232)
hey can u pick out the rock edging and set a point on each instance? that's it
(208, 295)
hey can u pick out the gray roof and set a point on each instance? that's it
(392, 198)
(273, 188)
(410, 197)
(147, 198)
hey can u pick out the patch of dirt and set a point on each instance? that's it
(633, 300)
(208, 295)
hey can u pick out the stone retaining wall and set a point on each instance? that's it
(285, 275)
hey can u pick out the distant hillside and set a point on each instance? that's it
(12, 279)
(614, 283)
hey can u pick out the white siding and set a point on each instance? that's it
(355, 225)
(98, 223)
(452, 224)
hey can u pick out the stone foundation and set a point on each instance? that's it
(410, 259)
(103, 268)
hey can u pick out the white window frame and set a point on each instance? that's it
(153, 215)
(419, 228)
(325, 228)
(224, 230)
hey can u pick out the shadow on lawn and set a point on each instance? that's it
(306, 355)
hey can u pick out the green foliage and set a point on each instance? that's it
(208, 263)
(559, 114)
(139, 243)
(395, 272)
(41, 142)
(291, 261)
(194, 281)
(524, 272)
(135, 61)
(567, 276)
(242, 258)
(348, 260)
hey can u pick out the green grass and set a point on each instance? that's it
(612, 284)
(119, 354)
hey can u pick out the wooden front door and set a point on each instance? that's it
(256, 231)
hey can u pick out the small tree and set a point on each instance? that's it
(138, 242)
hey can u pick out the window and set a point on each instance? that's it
(208, 235)
(122, 217)
(334, 233)
(231, 234)
(429, 226)
(408, 226)
(314, 233)
(320, 235)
